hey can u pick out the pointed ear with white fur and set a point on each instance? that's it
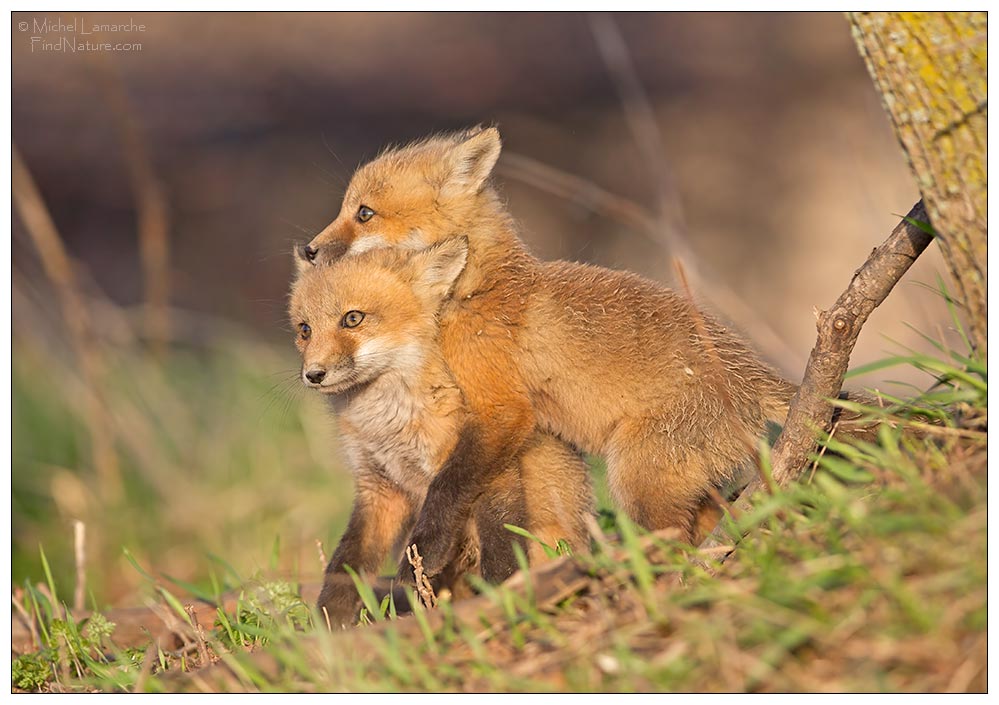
(472, 161)
(436, 268)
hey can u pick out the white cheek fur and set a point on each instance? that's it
(413, 241)
(377, 354)
(368, 242)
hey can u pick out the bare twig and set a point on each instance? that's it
(199, 634)
(151, 208)
(670, 229)
(80, 552)
(572, 188)
(322, 553)
(644, 128)
(930, 429)
(59, 270)
(822, 452)
(423, 587)
(29, 622)
(838, 329)
(583, 192)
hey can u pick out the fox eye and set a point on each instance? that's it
(364, 214)
(352, 319)
(305, 331)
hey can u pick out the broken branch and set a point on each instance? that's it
(838, 330)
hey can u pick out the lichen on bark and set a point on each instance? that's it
(931, 71)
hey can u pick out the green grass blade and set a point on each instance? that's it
(368, 597)
(549, 550)
(48, 575)
(193, 589)
(924, 226)
(174, 604)
(135, 564)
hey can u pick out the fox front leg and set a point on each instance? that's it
(381, 512)
(450, 501)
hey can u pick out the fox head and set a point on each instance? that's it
(410, 197)
(361, 317)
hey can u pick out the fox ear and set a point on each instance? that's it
(473, 159)
(436, 268)
(302, 261)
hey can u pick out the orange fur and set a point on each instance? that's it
(612, 362)
(401, 415)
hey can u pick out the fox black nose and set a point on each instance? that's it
(315, 375)
(310, 252)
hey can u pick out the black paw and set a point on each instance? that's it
(405, 575)
(432, 556)
(339, 603)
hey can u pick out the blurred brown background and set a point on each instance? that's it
(773, 166)
(786, 167)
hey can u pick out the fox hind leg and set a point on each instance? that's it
(548, 494)
(559, 496)
(657, 484)
(502, 503)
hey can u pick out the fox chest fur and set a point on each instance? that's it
(406, 429)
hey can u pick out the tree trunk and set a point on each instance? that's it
(931, 71)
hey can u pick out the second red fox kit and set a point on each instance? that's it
(367, 332)
(616, 364)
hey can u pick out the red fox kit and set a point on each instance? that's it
(367, 332)
(609, 361)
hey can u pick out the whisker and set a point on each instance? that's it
(338, 181)
(289, 371)
(335, 156)
(308, 231)
(286, 392)
(292, 377)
